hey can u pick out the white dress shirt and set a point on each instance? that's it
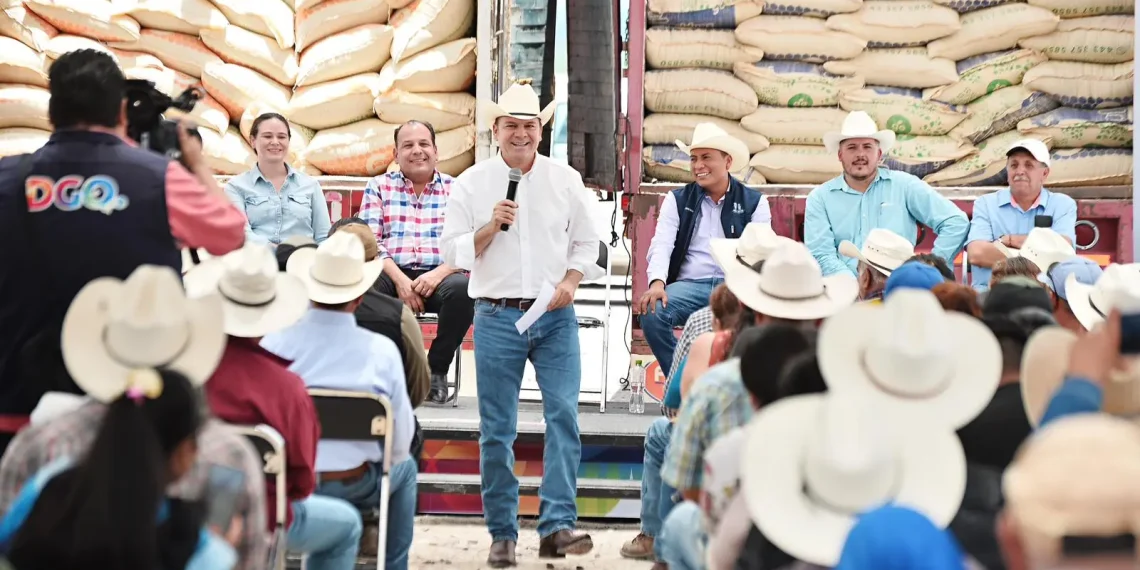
(552, 233)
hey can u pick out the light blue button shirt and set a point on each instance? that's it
(699, 262)
(895, 201)
(997, 215)
(328, 350)
(272, 216)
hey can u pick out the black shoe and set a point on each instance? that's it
(438, 392)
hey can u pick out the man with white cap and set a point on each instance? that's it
(682, 272)
(540, 243)
(329, 350)
(1003, 220)
(883, 252)
(868, 196)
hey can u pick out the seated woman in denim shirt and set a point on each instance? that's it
(279, 202)
(109, 509)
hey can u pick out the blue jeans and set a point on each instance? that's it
(551, 345)
(364, 494)
(685, 298)
(683, 539)
(656, 495)
(327, 530)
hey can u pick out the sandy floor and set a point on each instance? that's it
(464, 547)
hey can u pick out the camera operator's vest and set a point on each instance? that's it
(91, 206)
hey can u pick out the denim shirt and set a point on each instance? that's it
(298, 209)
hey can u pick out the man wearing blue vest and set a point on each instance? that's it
(682, 272)
(89, 204)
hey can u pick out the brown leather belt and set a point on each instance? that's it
(351, 474)
(520, 304)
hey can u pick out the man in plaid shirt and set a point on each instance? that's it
(405, 210)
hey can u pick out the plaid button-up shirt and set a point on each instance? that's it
(71, 434)
(700, 322)
(407, 226)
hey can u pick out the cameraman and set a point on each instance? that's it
(89, 204)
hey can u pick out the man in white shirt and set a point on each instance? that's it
(549, 242)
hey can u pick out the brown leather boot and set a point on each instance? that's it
(502, 554)
(640, 548)
(564, 542)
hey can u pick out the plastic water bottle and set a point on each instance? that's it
(637, 389)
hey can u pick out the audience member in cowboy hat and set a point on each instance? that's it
(329, 350)
(1043, 246)
(1002, 220)
(112, 329)
(883, 252)
(1089, 303)
(1084, 272)
(1073, 497)
(682, 272)
(816, 462)
(912, 275)
(911, 358)
(868, 196)
(253, 386)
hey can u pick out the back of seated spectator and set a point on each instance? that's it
(958, 297)
(712, 348)
(936, 262)
(1011, 266)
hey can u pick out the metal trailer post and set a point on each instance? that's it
(1135, 157)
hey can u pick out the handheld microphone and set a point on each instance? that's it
(514, 176)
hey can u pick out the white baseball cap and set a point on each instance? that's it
(1034, 147)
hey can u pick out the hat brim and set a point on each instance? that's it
(300, 264)
(103, 377)
(289, 304)
(1080, 303)
(490, 111)
(1043, 365)
(726, 144)
(840, 290)
(833, 139)
(843, 342)
(931, 467)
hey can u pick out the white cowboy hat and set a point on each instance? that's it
(859, 125)
(1117, 288)
(1044, 363)
(114, 329)
(910, 356)
(790, 285)
(1043, 247)
(814, 463)
(256, 297)
(708, 135)
(335, 271)
(756, 244)
(518, 101)
(883, 250)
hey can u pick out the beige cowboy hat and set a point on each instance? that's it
(519, 101)
(335, 271)
(814, 463)
(116, 330)
(1044, 363)
(1117, 288)
(859, 125)
(790, 284)
(257, 298)
(1042, 246)
(756, 244)
(708, 135)
(909, 356)
(883, 250)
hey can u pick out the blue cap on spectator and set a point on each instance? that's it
(912, 275)
(1086, 270)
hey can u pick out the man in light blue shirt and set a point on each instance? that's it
(868, 196)
(328, 350)
(1007, 216)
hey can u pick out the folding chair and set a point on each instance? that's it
(360, 416)
(270, 447)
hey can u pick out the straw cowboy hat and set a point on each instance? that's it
(1042, 246)
(859, 125)
(756, 244)
(883, 250)
(1117, 288)
(518, 101)
(816, 462)
(335, 271)
(708, 135)
(257, 298)
(116, 331)
(790, 284)
(1045, 362)
(911, 357)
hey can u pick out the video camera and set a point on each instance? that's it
(145, 123)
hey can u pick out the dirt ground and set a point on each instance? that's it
(462, 544)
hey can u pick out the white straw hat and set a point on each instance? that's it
(519, 101)
(756, 244)
(335, 271)
(883, 250)
(708, 135)
(1117, 288)
(859, 125)
(790, 285)
(1043, 247)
